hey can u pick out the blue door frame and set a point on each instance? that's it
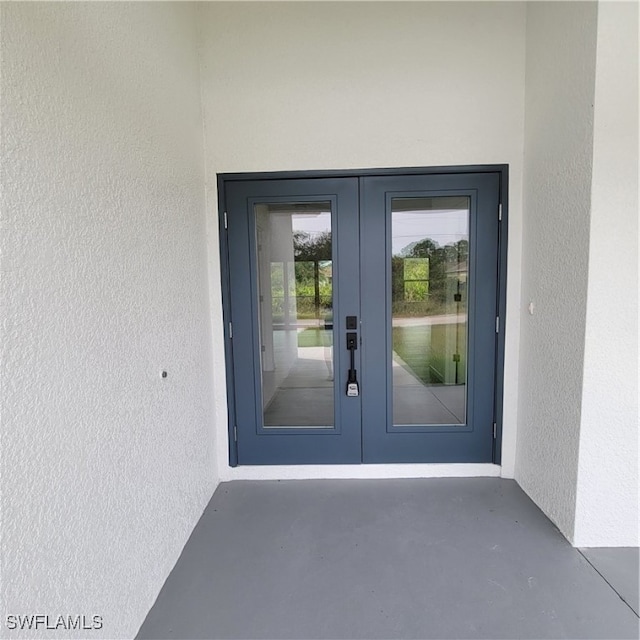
(363, 431)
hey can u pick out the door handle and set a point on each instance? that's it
(353, 390)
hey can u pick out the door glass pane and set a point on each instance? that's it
(295, 299)
(429, 275)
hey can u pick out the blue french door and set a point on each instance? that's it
(294, 278)
(362, 318)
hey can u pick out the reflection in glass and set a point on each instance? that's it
(429, 275)
(295, 296)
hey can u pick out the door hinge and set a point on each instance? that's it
(495, 428)
(230, 330)
(497, 324)
(235, 433)
(226, 223)
(500, 211)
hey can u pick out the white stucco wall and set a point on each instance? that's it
(317, 85)
(106, 466)
(561, 49)
(607, 493)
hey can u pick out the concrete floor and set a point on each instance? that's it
(619, 566)
(432, 558)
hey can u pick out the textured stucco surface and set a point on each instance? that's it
(106, 466)
(560, 74)
(325, 85)
(607, 499)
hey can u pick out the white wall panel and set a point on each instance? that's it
(324, 85)
(560, 73)
(607, 492)
(106, 466)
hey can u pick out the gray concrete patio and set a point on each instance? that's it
(425, 558)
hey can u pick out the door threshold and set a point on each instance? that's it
(360, 471)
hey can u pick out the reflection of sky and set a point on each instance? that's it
(441, 225)
(312, 223)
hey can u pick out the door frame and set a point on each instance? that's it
(503, 229)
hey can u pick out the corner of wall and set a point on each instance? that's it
(219, 386)
(209, 186)
(607, 506)
(560, 79)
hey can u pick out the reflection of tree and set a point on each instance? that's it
(443, 265)
(308, 248)
(312, 254)
(424, 274)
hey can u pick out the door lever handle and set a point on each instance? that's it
(353, 390)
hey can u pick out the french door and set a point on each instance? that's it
(362, 317)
